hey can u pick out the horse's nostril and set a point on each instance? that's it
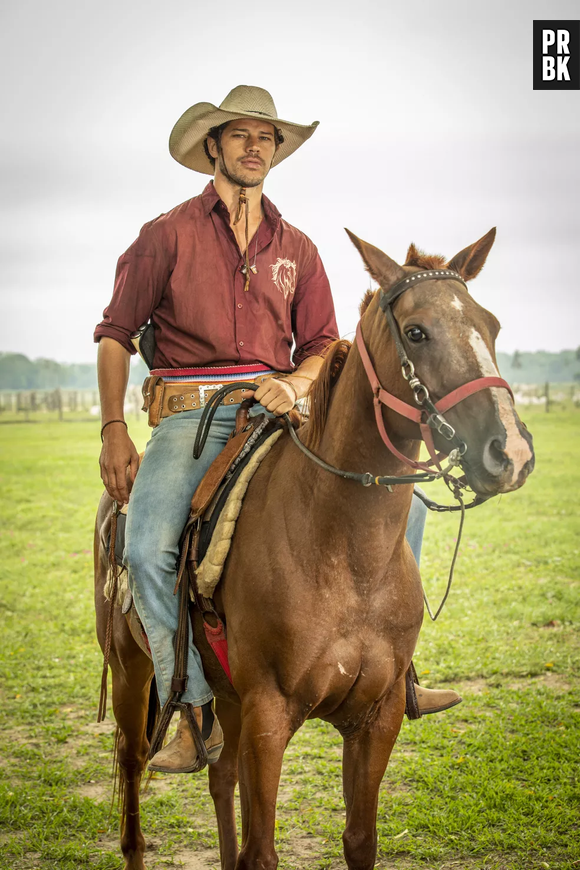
(495, 458)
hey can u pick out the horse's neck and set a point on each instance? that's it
(351, 442)
(351, 439)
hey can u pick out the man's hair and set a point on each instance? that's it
(216, 134)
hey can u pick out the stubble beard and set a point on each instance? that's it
(236, 177)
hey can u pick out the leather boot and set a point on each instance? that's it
(435, 700)
(180, 754)
(421, 701)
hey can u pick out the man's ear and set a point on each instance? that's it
(212, 147)
(470, 261)
(384, 270)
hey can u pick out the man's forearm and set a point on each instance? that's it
(113, 374)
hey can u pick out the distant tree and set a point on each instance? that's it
(16, 372)
(516, 360)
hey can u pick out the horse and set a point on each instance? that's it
(320, 592)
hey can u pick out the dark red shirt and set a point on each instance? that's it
(183, 273)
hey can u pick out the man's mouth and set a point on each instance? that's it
(252, 162)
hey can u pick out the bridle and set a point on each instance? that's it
(428, 415)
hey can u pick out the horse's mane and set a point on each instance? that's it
(418, 258)
(337, 352)
(319, 393)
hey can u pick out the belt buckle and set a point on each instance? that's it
(207, 388)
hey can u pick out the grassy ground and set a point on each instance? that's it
(491, 784)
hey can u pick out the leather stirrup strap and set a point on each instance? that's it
(412, 705)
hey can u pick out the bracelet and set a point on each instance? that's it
(290, 384)
(109, 423)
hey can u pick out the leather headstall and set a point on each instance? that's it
(428, 414)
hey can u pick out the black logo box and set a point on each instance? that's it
(572, 65)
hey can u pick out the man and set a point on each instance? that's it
(229, 287)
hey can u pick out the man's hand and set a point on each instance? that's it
(276, 396)
(119, 462)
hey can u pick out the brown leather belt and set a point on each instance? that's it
(163, 399)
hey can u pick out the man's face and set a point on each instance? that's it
(246, 151)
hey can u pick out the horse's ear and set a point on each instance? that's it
(384, 270)
(470, 261)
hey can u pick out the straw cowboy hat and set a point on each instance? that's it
(188, 135)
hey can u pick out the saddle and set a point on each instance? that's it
(215, 507)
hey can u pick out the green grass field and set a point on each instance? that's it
(491, 784)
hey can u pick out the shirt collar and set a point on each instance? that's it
(210, 199)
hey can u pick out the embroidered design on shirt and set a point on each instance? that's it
(284, 276)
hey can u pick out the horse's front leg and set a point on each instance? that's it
(267, 726)
(365, 758)
(223, 776)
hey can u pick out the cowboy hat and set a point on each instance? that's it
(190, 132)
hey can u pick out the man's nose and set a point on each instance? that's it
(253, 145)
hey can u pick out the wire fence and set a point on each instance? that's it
(64, 405)
(68, 405)
(550, 396)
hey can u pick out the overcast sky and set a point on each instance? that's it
(430, 132)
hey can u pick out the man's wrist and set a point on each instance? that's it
(302, 388)
(110, 423)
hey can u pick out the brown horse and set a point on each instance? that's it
(321, 594)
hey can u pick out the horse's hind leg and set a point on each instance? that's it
(131, 684)
(365, 758)
(223, 776)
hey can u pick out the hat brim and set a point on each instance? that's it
(189, 133)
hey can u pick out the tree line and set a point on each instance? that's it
(18, 372)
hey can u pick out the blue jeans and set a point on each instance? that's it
(416, 526)
(158, 511)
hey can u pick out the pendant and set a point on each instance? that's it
(254, 269)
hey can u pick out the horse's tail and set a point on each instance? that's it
(118, 796)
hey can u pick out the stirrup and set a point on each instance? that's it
(169, 708)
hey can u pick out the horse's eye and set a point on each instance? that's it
(415, 334)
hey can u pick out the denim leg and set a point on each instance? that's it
(416, 526)
(158, 511)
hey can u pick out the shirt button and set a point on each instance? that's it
(241, 343)
(240, 305)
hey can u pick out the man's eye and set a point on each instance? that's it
(415, 334)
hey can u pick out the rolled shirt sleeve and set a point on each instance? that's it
(141, 277)
(313, 317)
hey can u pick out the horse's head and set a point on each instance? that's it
(450, 340)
